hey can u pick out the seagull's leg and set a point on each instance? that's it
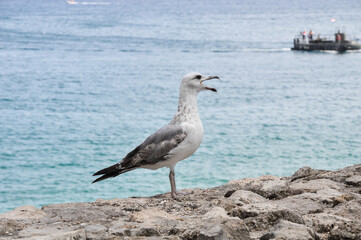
(175, 194)
(172, 183)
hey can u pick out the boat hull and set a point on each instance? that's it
(326, 46)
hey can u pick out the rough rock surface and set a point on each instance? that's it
(311, 204)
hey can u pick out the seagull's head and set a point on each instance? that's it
(194, 81)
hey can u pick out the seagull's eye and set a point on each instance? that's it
(198, 77)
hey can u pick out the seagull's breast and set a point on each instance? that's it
(194, 132)
(190, 144)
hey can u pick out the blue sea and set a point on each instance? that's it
(82, 84)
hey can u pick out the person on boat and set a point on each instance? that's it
(303, 36)
(338, 36)
(310, 35)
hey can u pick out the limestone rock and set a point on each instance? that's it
(351, 210)
(42, 230)
(354, 180)
(96, 231)
(300, 204)
(72, 235)
(311, 204)
(255, 209)
(350, 231)
(232, 229)
(324, 223)
(216, 213)
(290, 231)
(269, 219)
(24, 213)
(306, 172)
(315, 185)
(242, 197)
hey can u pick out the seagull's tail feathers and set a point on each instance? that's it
(111, 171)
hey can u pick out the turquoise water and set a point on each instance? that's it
(81, 85)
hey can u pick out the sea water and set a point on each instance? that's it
(82, 84)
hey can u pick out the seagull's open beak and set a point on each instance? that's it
(209, 78)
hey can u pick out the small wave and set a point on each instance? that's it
(5, 100)
(329, 52)
(354, 51)
(335, 52)
(222, 51)
(127, 50)
(133, 51)
(95, 3)
(253, 50)
(89, 3)
(267, 49)
(30, 49)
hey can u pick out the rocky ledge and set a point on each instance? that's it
(311, 204)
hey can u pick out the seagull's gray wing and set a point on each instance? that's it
(155, 148)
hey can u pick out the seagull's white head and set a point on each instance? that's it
(194, 81)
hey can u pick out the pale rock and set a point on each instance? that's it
(354, 180)
(117, 228)
(72, 235)
(231, 229)
(144, 232)
(286, 230)
(118, 232)
(324, 222)
(242, 197)
(303, 172)
(154, 217)
(276, 189)
(270, 187)
(96, 231)
(315, 185)
(246, 181)
(74, 212)
(42, 230)
(255, 209)
(327, 196)
(301, 205)
(266, 220)
(211, 232)
(348, 231)
(351, 210)
(24, 213)
(216, 212)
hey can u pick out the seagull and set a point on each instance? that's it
(172, 143)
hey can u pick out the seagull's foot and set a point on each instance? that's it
(183, 193)
(179, 195)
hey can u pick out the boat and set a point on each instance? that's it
(337, 42)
